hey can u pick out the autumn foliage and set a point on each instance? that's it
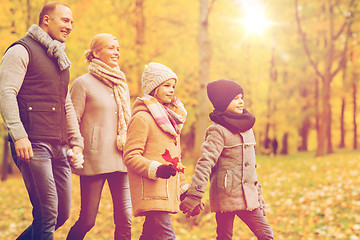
(307, 198)
(300, 71)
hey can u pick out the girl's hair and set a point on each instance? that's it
(154, 92)
(97, 43)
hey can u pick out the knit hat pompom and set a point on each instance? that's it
(221, 92)
(154, 75)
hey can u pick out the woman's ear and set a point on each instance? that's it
(96, 54)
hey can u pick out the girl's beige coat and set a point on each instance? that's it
(145, 144)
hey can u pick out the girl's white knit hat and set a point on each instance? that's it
(154, 75)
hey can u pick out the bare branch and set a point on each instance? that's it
(303, 38)
(211, 5)
(346, 22)
(343, 60)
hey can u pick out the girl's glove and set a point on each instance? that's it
(77, 163)
(165, 171)
(262, 205)
(191, 206)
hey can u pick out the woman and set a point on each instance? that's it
(102, 105)
(152, 153)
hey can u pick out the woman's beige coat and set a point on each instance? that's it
(145, 144)
(96, 111)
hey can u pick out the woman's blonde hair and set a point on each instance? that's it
(97, 43)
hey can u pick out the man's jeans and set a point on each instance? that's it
(47, 178)
(253, 219)
(157, 226)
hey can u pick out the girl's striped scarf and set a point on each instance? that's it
(169, 118)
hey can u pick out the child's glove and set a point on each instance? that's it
(78, 161)
(191, 205)
(262, 205)
(165, 171)
(183, 195)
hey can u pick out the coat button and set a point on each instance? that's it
(53, 109)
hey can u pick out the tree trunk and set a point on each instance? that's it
(324, 144)
(342, 124)
(6, 167)
(28, 20)
(304, 133)
(323, 121)
(204, 76)
(354, 96)
(331, 38)
(285, 149)
(342, 115)
(317, 111)
(140, 41)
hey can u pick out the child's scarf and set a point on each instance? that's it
(233, 121)
(169, 118)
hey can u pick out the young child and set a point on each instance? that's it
(228, 158)
(152, 152)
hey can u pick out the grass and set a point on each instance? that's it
(307, 198)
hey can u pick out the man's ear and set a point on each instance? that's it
(45, 20)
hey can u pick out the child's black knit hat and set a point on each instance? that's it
(221, 92)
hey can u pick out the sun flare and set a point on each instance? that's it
(255, 24)
(255, 20)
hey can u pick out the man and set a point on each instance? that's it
(36, 109)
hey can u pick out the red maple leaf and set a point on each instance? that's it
(176, 164)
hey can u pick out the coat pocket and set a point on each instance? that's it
(155, 189)
(43, 117)
(225, 181)
(95, 138)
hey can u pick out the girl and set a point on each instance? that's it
(152, 152)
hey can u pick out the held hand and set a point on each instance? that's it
(165, 171)
(191, 206)
(76, 160)
(76, 150)
(183, 195)
(23, 149)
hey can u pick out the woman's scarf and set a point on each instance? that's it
(169, 118)
(115, 78)
(233, 121)
(55, 49)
